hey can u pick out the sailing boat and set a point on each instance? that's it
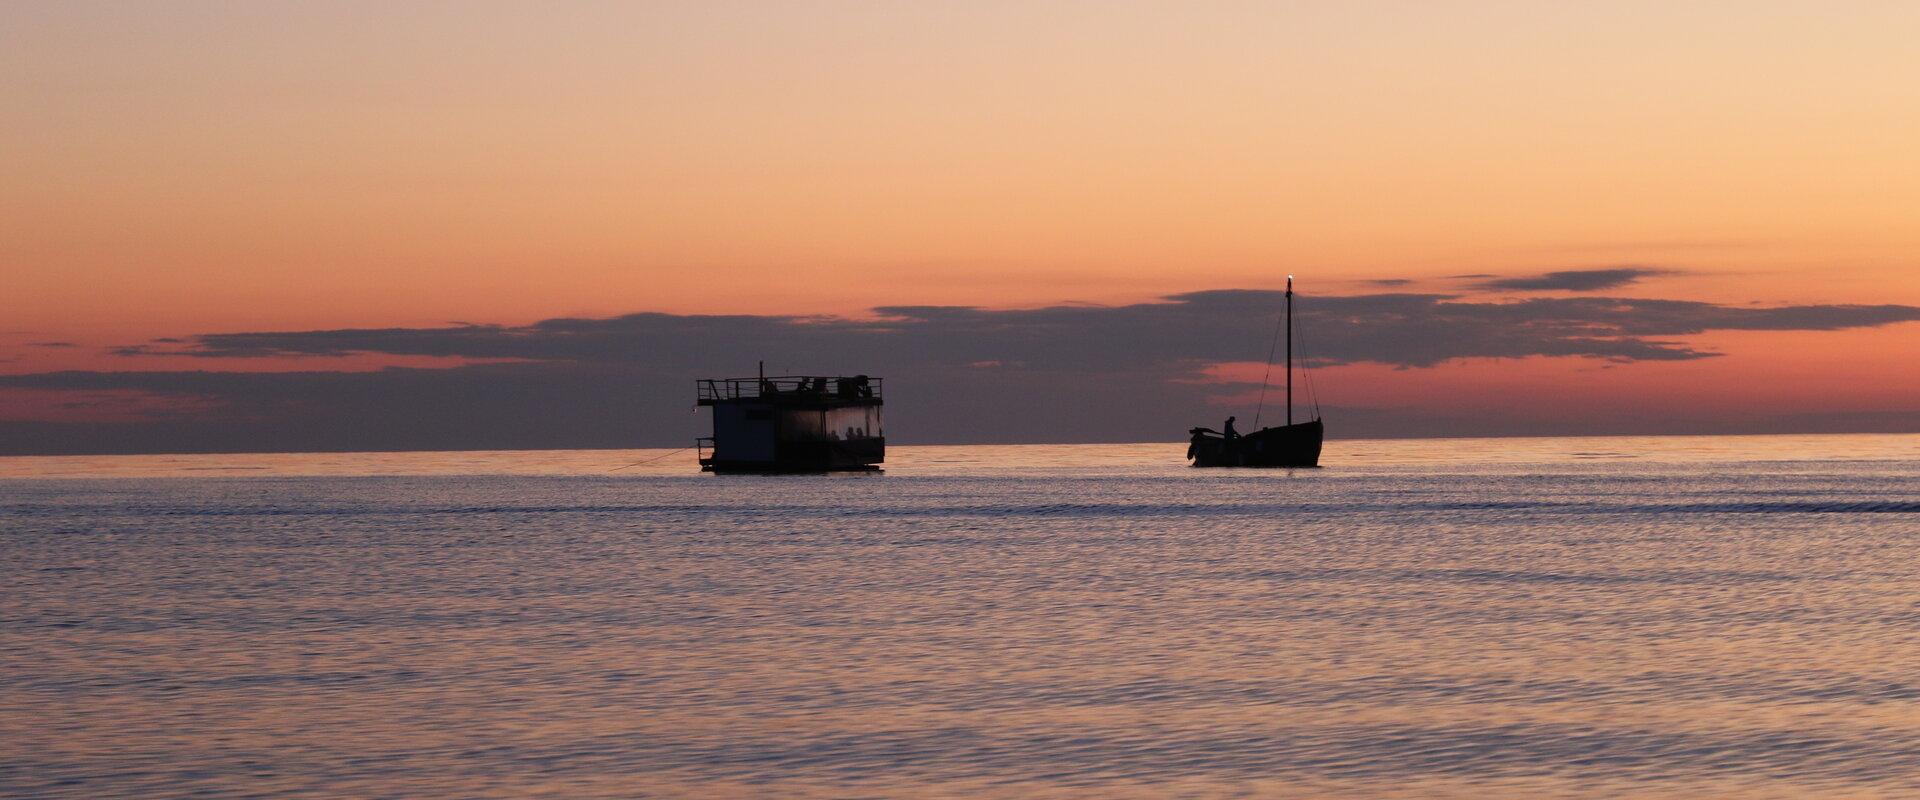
(1289, 445)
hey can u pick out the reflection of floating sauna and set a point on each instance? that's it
(792, 423)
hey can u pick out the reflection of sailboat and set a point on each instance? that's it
(1289, 445)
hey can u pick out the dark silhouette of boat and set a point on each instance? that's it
(1285, 446)
(792, 423)
(1289, 445)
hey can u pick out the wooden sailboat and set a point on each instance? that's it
(1289, 445)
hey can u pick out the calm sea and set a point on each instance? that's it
(1648, 617)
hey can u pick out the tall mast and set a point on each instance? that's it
(1289, 349)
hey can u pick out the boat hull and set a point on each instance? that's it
(1284, 446)
(858, 455)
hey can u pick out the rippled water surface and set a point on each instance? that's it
(1680, 617)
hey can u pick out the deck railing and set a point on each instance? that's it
(789, 386)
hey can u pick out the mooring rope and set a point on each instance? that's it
(651, 460)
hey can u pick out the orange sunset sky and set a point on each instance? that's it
(172, 170)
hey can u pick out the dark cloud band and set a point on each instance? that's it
(1574, 280)
(1411, 330)
(1064, 373)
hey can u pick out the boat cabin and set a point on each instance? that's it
(792, 423)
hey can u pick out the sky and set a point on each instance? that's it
(339, 226)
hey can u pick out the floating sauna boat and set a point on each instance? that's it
(792, 423)
(1289, 445)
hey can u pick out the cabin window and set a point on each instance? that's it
(830, 425)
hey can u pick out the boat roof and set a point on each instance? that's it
(841, 389)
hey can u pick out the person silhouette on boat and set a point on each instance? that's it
(1227, 432)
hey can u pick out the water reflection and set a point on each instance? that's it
(1492, 618)
(974, 459)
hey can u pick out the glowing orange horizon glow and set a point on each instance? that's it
(1756, 374)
